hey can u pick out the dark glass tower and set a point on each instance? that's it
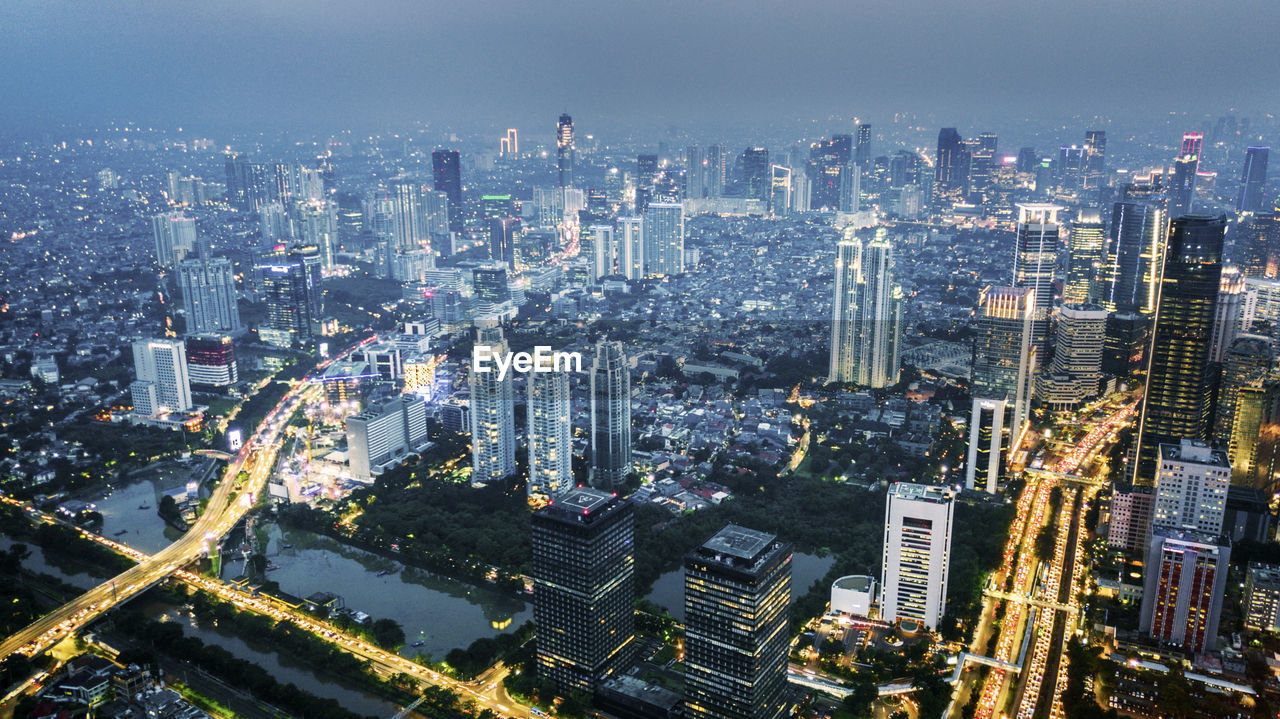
(584, 588)
(610, 416)
(737, 594)
(1180, 376)
(1253, 178)
(446, 175)
(291, 288)
(827, 158)
(951, 173)
(565, 150)
(757, 175)
(1130, 274)
(862, 151)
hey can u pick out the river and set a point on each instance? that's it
(125, 520)
(668, 590)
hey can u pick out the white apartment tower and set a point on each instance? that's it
(209, 295)
(162, 384)
(493, 428)
(917, 553)
(550, 427)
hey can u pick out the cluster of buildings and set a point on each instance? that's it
(99, 685)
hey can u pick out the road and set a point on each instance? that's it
(227, 506)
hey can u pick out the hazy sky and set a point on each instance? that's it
(324, 63)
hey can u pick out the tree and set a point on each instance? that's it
(169, 508)
(387, 633)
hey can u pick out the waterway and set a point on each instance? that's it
(39, 564)
(132, 510)
(440, 612)
(668, 590)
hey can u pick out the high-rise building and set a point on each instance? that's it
(715, 171)
(737, 594)
(631, 248)
(565, 150)
(862, 150)
(1004, 362)
(1254, 448)
(1095, 158)
(490, 285)
(1085, 245)
(550, 428)
(1130, 276)
(162, 383)
(866, 313)
(509, 144)
(604, 251)
(610, 416)
(446, 176)
(1258, 245)
(1178, 403)
(208, 288)
(382, 437)
(1247, 357)
(1128, 339)
(781, 191)
(584, 588)
(1129, 526)
(951, 168)
(407, 232)
(1076, 371)
(291, 288)
(917, 553)
(828, 163)
(211, 360)
(1185, 581)
(502, 241)
(318, 225)
(1253, 180)
(1182, 191)
(1191, 487)
(664, 238)
(695, 172)
(1262, 597)
(493, 425)
(1034, 258)
(757, 179)
(1228, 313)
(175, 236)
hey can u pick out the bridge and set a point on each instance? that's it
(1024, 599)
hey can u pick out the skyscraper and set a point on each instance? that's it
(584, 588)
(1191, 487)
(1033, 261)
(1004, 361)
(162, 383)
(1255, 436)
(1185, 581)
(631, 248)
(951, 169)
(446, 176)
(211, 360)
(502, 241)
(209, 295)
(604, 251)
(1248, 356)
(862, 151)
(1182, 191)
(694, 173)
(1227, 315)
(1253, 180)
(737, 592)
(1258, 245)
(1095, 158)
(828, 163)
(1130, 276)
(493, 427)
(664, 238)
(1077, 359)
(550, 428)
(715, 171)
(175, 236)
(756, 175)
(866, 314)
(917, 553)
(1084, 256)
(1180, 377)
(565, 150)
(610, 417)
(291, 288)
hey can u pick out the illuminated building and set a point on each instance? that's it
(604, 251)
(344, 383)
(584, 588)
(1129, 526)
(509, 144)
(208, 287)
(951, 168)
(1254, 448)
(756, 174)
(866, 313)
(737, 595)
(493, 428)
(211, 360)
(663, 234)
(1258, 243)
(1003, 366)
(1247, 357)
(565, 150)
(420, 372)
(1191, 487)
(1262, 597)
(1253, 180)
(781, 190)
(1033, 261)
(291, 288)
(446, 176)
(862, 150)
(1178, 403)
(631, 248)
(1228, 313)
(917, 553)
(827, 160)
(550, 438)
(610, 417)
(382, 437)
(1186, 577)
(1084, 257)
(162, 381)
(175, 237)
(1130, 281)
(1076, 371)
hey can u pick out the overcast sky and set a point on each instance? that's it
(321, 64)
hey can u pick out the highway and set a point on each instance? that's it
(227, 506)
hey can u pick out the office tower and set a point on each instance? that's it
(435, 212)
(1180, 376)
(160, 370)
(1084, 256)
(273, 223)
(490, 285)
(446, 176)
(1247, 357)
(318, 225)
(1076, 371)
(509, 144)
(828, 160)
(1254, 448)
(291, 289)
(1129, 526)
(664, 239)
(1191, 487)
(1070, 167)
(917, 553)
(382, 437)
(1228, 313)
(780, 191)
(737, 595)
(211, 360)
(715, 171)
(610, 417)
(694, 173)
(1003, 366)
(1033, 261)
(1183, 190)
(756, 175)
(493, 428)
(1258, 245)
(1191, 145)
(1027, 161)
(565, 150)
(1130, 276)
(1095, 158)
(1185, 580)
(584, 588)
(850, 188)
(951, 168)
(862, 151)
(407, 232)
(1253, 180)
(631, 248)
(1262, 597)
(175, 236)
(550, 427)
(982, 162)
(1124, 350)
(604, 247)
(866, 313)
(502, 243)
(209, 295)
